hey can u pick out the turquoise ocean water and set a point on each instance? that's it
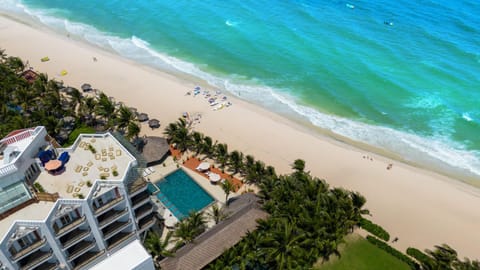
(400, 75)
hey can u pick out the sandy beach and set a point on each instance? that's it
(419, 207)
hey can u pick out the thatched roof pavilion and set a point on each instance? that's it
(153, 123)
(155, 150)
(142, 117)
(86, 87)
(211, 244)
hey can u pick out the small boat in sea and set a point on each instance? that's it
(389, 23)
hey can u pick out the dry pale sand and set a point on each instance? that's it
(419, 207)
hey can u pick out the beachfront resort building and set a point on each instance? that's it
(72, 208)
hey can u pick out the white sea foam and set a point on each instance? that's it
(467, 117)
(438, 150)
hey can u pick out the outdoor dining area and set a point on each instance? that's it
(209, 171)
(52, 165)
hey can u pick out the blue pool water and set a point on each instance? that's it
(181, 194)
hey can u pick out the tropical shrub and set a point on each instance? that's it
(374, 229)
(379, 243)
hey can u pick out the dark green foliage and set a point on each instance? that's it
(379, 243)
(39, 187)
(40, 103)
(74, 135)
(421, 257)
(374, 229)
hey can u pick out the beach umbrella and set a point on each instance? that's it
(53, 165)
(86, 87)
(154, 123)
(203, 166)
(214, 177)
(142, 117)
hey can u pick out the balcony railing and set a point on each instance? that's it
(143, 210)
(79, 249)
(146, 222)
(73, 237)
(35, 259)
(29, 249)
(110, 216)
(106, 206)
(118, 239)
(86, 258)
(47, 266)
(70, 226)
(113, 228)
(139, 198)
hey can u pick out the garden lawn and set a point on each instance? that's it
(73, 136)
(359, 254)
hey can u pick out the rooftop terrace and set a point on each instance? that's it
(36, 211)
(92, 157)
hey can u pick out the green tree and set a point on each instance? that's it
(227, 187)
(158, 247)
(217, 214)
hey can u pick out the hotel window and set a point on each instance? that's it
(65, 219)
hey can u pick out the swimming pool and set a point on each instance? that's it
(181, 194)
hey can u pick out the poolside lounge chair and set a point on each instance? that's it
(151, 169)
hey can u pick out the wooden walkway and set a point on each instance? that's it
(192, 164)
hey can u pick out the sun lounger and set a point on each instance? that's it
(84, 173)
(81, 145)
(69, 189)
(92, 140)
(112, 157)
(151, 169)
(104, 159)
(77, 189)
(119, 152)
(85, 169)
(114, 167)
(110, 148)
(98, 156)
(78, 168)
(81, 184)
(104, 175)
(89, 164)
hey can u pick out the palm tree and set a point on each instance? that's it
(227, 187)
(207, 147)
(190, 227)
(221, 154)
(125, 117)
(197, 142)
(15, 63)
(298, 165)
(170, 131)
(282, 245)
(443, 257)
(217, 214)
(236, 161)
(133, 129)
(76, 97)
(106, 109)
(158, 247)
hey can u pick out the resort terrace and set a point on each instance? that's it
(92, 157)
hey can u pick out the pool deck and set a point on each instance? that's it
(169, 166)
(193, 162)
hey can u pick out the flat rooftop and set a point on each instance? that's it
(132, 256)
(86, 166)
(36, 211)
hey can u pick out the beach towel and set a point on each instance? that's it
(45, 59)
(63, 72)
